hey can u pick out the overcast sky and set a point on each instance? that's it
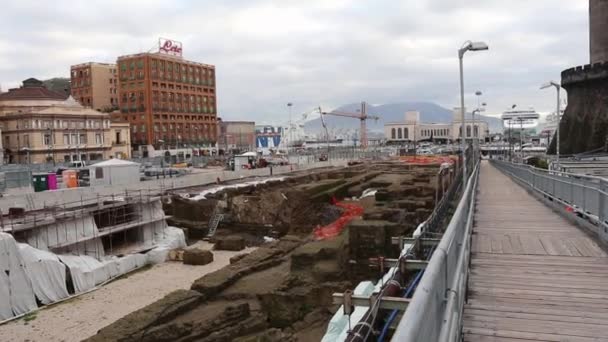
(314, 52)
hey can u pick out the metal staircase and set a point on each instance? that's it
(214, 221)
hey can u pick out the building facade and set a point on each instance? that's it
(412, 130)
(121, 140)
(39, 125)
(237, 135)
(167, 100)
(95, 85)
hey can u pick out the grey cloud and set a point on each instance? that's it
(270, 52)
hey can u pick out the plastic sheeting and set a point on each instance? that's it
(338, 325)
(337, 329)
(171, 238)
(46, 273)
(16, 292)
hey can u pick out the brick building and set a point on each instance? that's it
(237, 135)
(167, 100)
(94, 85)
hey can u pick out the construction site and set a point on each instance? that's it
(316, 235)
(302, 244)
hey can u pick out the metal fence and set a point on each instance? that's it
(435, 310)
(585, 194)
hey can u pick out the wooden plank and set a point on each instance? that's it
(534, 276)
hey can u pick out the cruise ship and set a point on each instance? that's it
(521, 119)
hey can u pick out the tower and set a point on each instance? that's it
(598, 30)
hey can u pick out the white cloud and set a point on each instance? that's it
(331, 52)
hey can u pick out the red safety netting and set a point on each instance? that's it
(351, 210)
(426, 160)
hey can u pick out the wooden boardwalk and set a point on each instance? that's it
(534, 275)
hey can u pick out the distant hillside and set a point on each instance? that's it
(394, 112)
(58, 84)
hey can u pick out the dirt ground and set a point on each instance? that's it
(81, 317)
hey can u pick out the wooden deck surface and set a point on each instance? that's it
(534, 275)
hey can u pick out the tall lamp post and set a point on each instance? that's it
(479, 110)
(472, 46)
(289, 105)
(558, 113)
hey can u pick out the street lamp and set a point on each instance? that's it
(475, 137)
(479, 109)
(472, 46)
(289, 105)
(558, 113)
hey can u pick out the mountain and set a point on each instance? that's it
(393, 112)
(58, 84)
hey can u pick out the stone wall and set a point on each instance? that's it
(584, 125)
(598, 30)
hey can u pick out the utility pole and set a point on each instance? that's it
(289, 105)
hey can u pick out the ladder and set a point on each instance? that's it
(215, 220)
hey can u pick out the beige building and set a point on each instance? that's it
(95, 85)
(121, 140)
(411, 129)
(39, 125)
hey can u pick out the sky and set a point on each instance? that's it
(316, 52)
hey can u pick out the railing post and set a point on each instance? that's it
(601, 203)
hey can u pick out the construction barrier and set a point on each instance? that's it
(351, 211)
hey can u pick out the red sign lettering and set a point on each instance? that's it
(171, 47)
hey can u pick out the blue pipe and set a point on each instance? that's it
(394, 313)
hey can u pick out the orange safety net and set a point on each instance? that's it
(351, 210)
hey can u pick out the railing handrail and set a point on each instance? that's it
(422, 320)
(585, 194)
(553, 172)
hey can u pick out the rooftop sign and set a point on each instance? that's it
(169, 47)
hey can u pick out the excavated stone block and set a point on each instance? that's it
(230, 243)
(197, 255)
(134, 325)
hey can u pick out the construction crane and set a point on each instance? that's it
(362, 116)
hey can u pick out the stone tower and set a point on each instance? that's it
(598, 30)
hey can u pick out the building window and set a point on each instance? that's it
(66, 139)
(98, 139)
(468, 131)
(83, 138)
(99, 173)
(74, 138)
(46, 138)
(399, 133)
(405, 133)
(26, 140)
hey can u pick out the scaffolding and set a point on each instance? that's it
(89, 223)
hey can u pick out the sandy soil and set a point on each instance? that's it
(83, 316)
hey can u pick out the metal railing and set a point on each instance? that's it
(587, 195)
(435, 310)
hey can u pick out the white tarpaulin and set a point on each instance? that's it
(170, 238)
(84, 271)
(213, 190)
(16, 293)
(46, 273)
(338, 325)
